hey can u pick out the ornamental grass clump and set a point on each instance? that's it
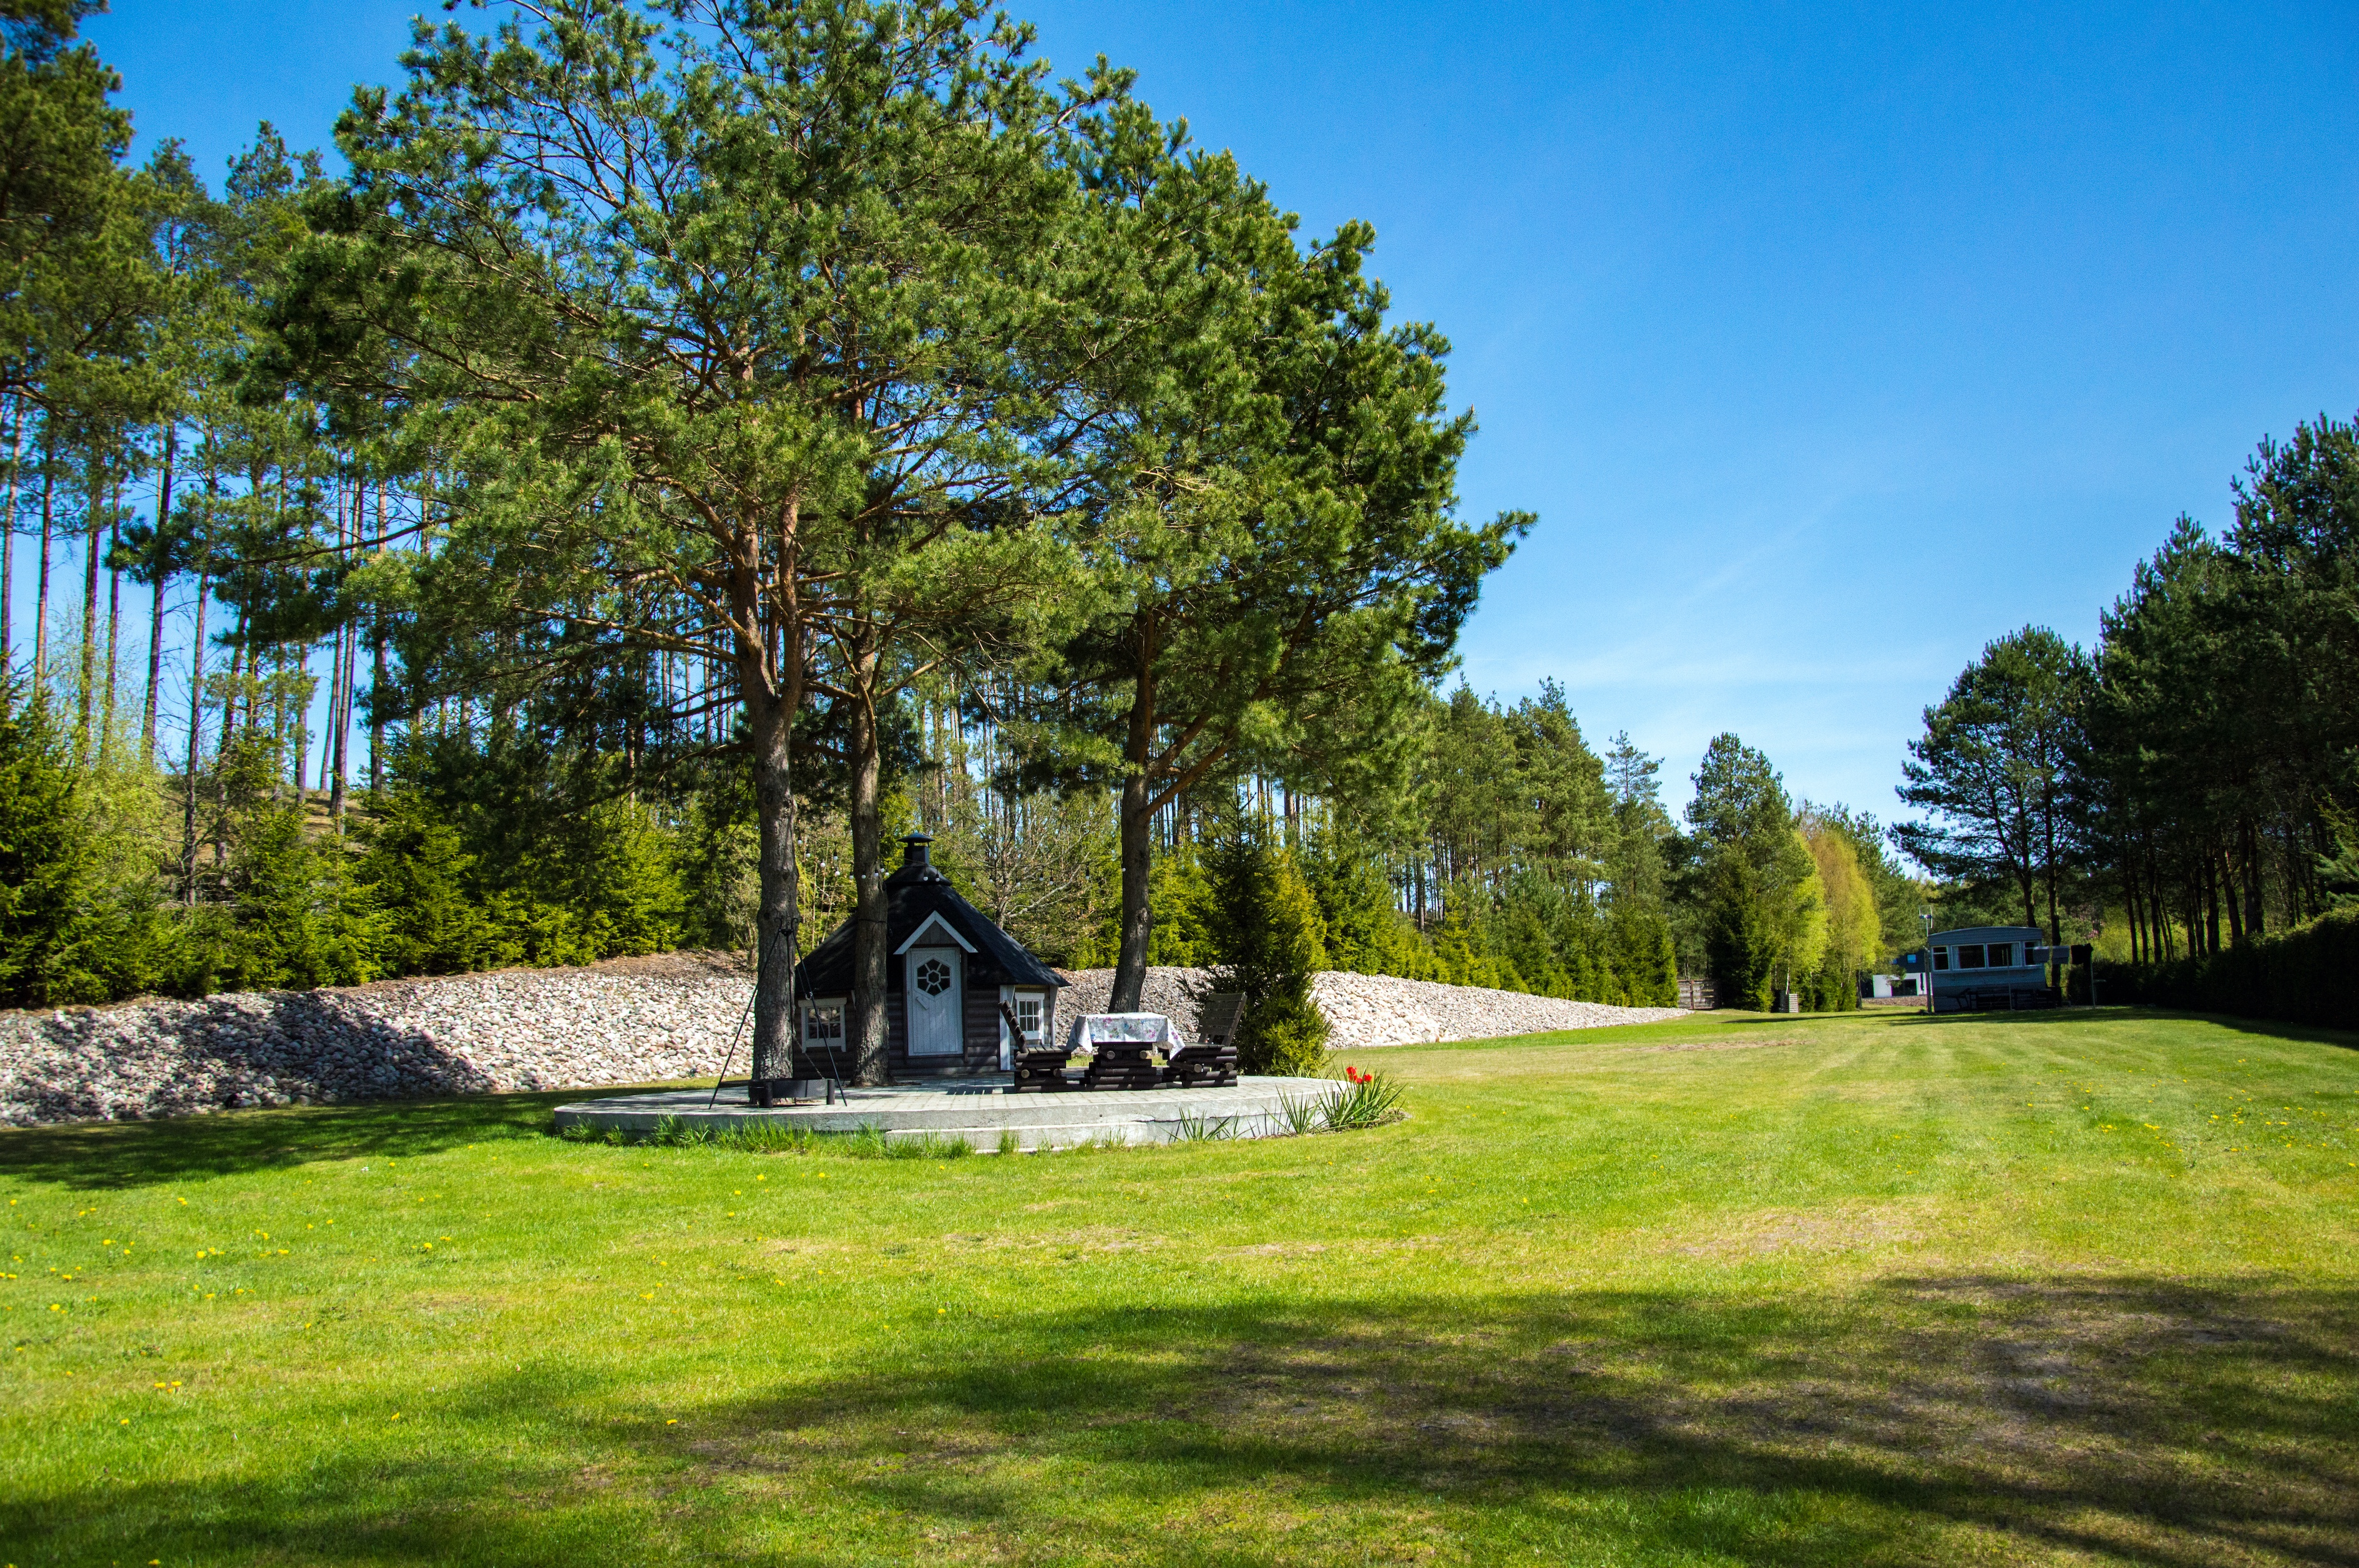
(1366, 1099)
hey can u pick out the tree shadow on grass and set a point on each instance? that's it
(122, 1154)
(2171, 1422)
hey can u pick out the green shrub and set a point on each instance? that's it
(2307, 975)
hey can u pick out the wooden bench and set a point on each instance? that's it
(1042, 1072)
(1201, 1066)
(1122, 1064)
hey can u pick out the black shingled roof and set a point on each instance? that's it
(912, 894)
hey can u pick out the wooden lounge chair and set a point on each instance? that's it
(1201, 1066)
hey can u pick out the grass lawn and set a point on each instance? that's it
(2060, 1288)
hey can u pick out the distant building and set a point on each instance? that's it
(1989, 966)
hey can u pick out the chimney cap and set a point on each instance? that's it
(913, 852)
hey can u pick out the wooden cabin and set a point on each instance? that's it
(962, 996)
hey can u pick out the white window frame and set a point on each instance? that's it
(1009, 998)
(840, 1005)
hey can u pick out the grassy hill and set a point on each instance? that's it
(2062, 1287)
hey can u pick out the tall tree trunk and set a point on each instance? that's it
(347, 647)
(1137, 829)
(376, 712)
(113, 621)
(328, 780)
(2228, 879)
(293, 663)
(376, 674)
(2256, 916)
(95, 522)
(868, 1023)
(2055, 926)
(196, 753)
(8, 538)
(41, 595)
(156, 607)
(231, 702)
(2129, 908)
(773, 688)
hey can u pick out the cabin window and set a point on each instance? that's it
(1941, 957)
(823, 1022)
(1027, 1016)
(2002, 955)
(1970, 958)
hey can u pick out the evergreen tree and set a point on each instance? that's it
(57, 919)
(1764, 913)
(1268, 942)
(1993, 764)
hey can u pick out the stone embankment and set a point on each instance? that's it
(1382, 1010)
(1373, 1010)
(631, 1021)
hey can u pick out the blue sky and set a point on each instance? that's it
(1829, 342)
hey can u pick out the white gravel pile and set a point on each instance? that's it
(631, 1021)
(1381, 1010)
(1373, 1010)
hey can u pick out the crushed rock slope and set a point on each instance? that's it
(1373, 1010)
(627, 1022)
(630, 1021)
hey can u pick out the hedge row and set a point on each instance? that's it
(2307, 975)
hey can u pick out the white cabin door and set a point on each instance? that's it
(935, 1028)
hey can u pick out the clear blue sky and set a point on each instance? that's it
(1827, 341)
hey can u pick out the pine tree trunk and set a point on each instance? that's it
(347, 645)
(294, 663)
(113, 630)
(868, 1023)
(41, 597)
(2255, 916)
(376, 713)
(1136, 842)
(155, 610)
(376, 677)
(231, 702)
(328, 780)
(772, 698)
(95, 522)
(196, 753)
(8, 538)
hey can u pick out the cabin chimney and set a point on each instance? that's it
(913, 849)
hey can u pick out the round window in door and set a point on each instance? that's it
(933, 996)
